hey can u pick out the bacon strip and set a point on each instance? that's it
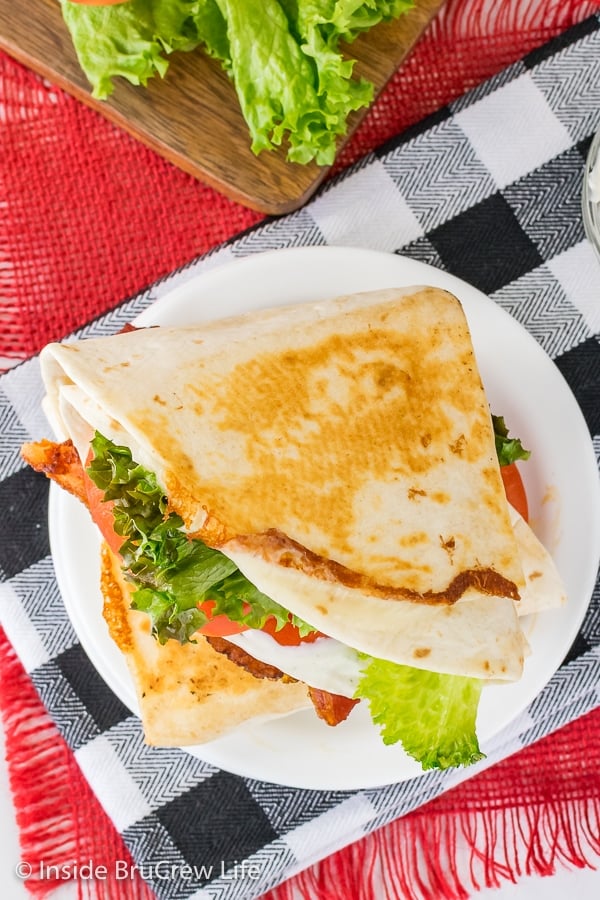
(332, 708)
(244, 660)
(60, 462)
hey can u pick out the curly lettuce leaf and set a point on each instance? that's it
(290, 92)
(344, 20)
(508, 449)
(431, 714)
(132, 40)
(173, 573)
(294, 84)
(293, 81)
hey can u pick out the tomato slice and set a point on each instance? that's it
(221, 625)
(289, 635)
(101, 512)
(515, 489)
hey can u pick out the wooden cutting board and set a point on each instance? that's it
(192, 117)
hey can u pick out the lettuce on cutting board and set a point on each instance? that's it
(294, 85)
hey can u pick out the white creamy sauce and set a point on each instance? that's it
(326, 663)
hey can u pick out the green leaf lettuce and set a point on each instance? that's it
(431, 714)
(131, 40)
(508, 449)
(173, 573)
(293, 81)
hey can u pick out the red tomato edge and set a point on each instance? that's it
(515, 489)
(101, 513)
(218, 626)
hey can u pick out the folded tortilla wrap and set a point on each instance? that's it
(341, 453)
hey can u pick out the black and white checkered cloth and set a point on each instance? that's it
(500, 170)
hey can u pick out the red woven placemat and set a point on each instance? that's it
(90, 217)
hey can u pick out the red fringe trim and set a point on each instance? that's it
(532, 814)
(450, 857)
(472, 19)
(61, 823)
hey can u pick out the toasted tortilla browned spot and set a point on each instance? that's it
(287, 392)
(277, 548)
(310, 423)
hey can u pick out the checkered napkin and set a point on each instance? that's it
(500, 171)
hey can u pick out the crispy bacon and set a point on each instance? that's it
(60, 462)
(332, 708)
(244, 660)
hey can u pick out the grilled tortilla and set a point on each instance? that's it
(187, 694)
(341, 453)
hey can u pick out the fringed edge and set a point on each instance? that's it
(452, 856)
(31, 745)
(59, 819)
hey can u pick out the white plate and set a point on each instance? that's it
(561, 479)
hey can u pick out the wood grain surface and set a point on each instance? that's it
(192, 116)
